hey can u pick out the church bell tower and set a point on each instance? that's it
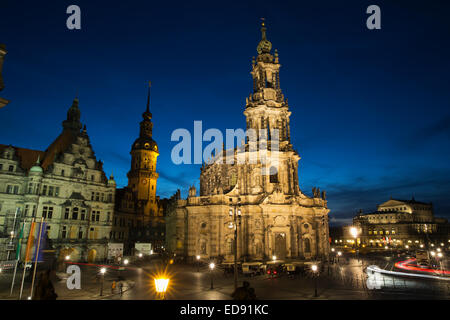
(266, 108)
(142, 176)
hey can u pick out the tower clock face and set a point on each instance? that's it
(147, 145)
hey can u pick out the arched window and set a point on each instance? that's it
(307, 244)
(202, 246)
(273, 175)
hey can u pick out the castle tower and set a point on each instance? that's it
(73, 118)
(142, 176)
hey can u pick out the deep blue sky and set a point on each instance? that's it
(370, 109)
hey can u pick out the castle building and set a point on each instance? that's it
(66, 185)
(397, 223)
(139, 212)
(276, 217)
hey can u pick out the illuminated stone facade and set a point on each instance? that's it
(66, 185)
(397, 223)
(277, 218)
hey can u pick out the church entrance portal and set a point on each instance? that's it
(280, 246)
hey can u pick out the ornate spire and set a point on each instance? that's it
(146, 124)
(263, 29)
(147, 114)
(73, 118)
(264, 45)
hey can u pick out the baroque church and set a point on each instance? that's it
(65, 185)
(275, 218)
(138, 211)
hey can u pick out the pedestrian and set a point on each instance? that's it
(251, 293)
(121, 287)
(44, 288)
(113, 287)
(244, 292)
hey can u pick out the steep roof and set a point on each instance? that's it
(61, 144)
(27, 157)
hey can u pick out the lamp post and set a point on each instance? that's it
(211, 268)
(102, 272)
(339, 254)
(439, 259)
(198, 263)
(354, 233)
(315, 275)
(235, 214)
(161, 285)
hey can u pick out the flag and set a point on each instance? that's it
(30, 242)
(40, 244)
(19, 242)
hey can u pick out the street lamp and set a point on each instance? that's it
(125, 262)
(102, 272)
(211, 268)
(161, 285)
(274, 258)
(339, 254)
(67, 257)
(235, 212)
(354, 233)
(198, 263)
(315, 274)
(439, 260)
(140, 255)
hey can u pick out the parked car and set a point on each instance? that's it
(252, 268)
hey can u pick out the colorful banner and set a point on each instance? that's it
(30, 242)
(40, 244)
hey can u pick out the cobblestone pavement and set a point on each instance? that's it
(345, 280)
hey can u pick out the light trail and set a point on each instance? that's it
(406, 266)
(403, 274)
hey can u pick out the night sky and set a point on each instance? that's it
(370, 108)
